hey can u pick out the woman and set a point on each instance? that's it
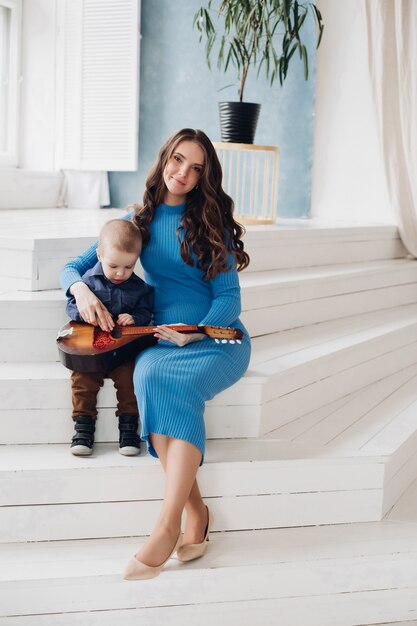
(192, 250)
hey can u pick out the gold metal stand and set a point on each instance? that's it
(250, 177)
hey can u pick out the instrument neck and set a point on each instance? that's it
(148, 330)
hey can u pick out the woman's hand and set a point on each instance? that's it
(179, 339)
(91, 309)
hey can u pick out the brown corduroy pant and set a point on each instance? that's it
(85, 388)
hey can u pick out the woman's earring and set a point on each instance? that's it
(196, 187)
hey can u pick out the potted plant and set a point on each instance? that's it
(248, 33)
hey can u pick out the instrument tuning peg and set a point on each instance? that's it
(238, 341)
(217, 341)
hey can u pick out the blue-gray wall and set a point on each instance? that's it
(178, 90)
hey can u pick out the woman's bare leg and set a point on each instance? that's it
(196, 516)
(196, 520)
(181, 460)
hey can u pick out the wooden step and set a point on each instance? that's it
(347, 575)
(272, 301)
(35, 244)
(344, 609)
(47, 494)
(306, 243)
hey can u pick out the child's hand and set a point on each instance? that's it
(125, 319)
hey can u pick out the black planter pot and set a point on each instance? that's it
(238, 121)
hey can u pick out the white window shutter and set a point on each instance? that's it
(97, 84)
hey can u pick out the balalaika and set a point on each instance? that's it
(87, 348)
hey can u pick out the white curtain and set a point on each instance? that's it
(392, 54)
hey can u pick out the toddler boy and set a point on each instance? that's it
(130, 301)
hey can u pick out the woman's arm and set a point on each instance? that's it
(226, 304)
(73, 270)
(91, 309)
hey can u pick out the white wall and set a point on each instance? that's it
(348, 179)
(38, 85)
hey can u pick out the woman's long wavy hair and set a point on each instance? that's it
(209, 232)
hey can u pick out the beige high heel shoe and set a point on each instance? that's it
(136, 570)
(191, 551)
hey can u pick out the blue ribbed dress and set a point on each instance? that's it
(173, 383)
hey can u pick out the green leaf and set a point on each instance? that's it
(227, 87)
(320, 35)
(319, 22)
(290, 54)
(209, 47)
(228, 58)
(220, 57)
(295, 13)
(301, 21)
(305, 60)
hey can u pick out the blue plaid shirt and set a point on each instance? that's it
(133, 296)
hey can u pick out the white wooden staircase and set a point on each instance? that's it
(320, 433)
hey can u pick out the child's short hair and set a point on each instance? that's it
(121, 234)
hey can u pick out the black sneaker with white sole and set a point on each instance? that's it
(83, 440)
(129, 440)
